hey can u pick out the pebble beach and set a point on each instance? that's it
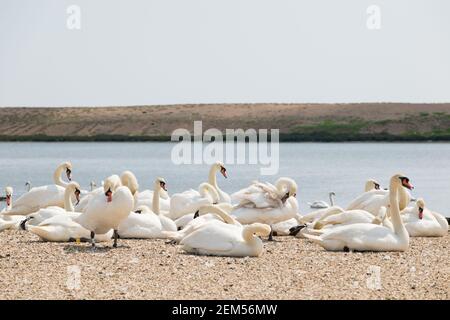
(289, 268)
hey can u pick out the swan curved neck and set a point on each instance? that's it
(248, 233)
(221, 213)
(57, 176)
(212, 179)
(68, 205)
(399, 228)
(206, 189)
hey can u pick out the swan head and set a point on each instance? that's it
(219, 166)
(8, 193)
(142, 210)
(402, 180)
(259, 229)
(289, 186)
(129, 179)
(420, 203)
(371, 184)
(76, 189)
(110, 185)
(67, 166)
(161, 183)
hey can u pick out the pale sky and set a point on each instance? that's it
(223, 51)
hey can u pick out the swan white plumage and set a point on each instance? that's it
(221, 239)
(144, 224)
(320, 204)
(421, 222)
(373, 200)
(370, 237)
(285, 228)
(268, 216)
(114, 180)
(189, 201)
(212, 179)
(371, 184)
(144, 198)
(351, 217)
(9, 222)
(265, 195)
(205, 214)
(72, 191)
(106, 211)
(44, 196)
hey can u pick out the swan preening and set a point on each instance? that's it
(208, 221)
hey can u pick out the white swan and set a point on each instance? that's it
(370, 237)
(205, 214)
(212, 179)
(373, 200)
(268, 216)
(146, 197)
(44, 196)
(320, 204)
(221, 239)
(114, 180)
(189, 201)
(144, 224)
(265, 195)
(72, 191)
(421, 222)
(351, 217)
(9, 222)
(106, 211)
(371, 184)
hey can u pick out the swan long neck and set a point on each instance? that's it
(68, 205)
(155, 203)
(212, 179)
(57, 176)
(331, 195)
(206, 189)
(404, 198)
(394, 187)
(221, 213)
(441, 220)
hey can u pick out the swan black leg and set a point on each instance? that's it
(116, 235)
(270, 234)
(93, 239)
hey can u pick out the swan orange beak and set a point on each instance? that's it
(407, 184)
(163, 185)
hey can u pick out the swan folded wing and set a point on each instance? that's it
(212, 238)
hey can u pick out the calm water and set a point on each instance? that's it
(317, 167)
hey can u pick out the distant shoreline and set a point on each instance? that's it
(364, 122)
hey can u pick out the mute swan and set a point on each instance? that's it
(421, 222)
(144, 224)
(189, 201)
(62, 228)
(106, 211)
(9, 222)
(265, 195)
(268, 216)
(370, 237)
(114, 180)
(322, 204)
(351, 217)
(212, 179)
(72, 189)
(44, 196)
(205, 214)
(221, 239)
(373, 200)
(371, 184)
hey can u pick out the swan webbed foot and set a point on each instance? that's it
(23, 223)
(270, 234)
(196, 214)
(116, 236)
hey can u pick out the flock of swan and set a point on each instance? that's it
(209, 221)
